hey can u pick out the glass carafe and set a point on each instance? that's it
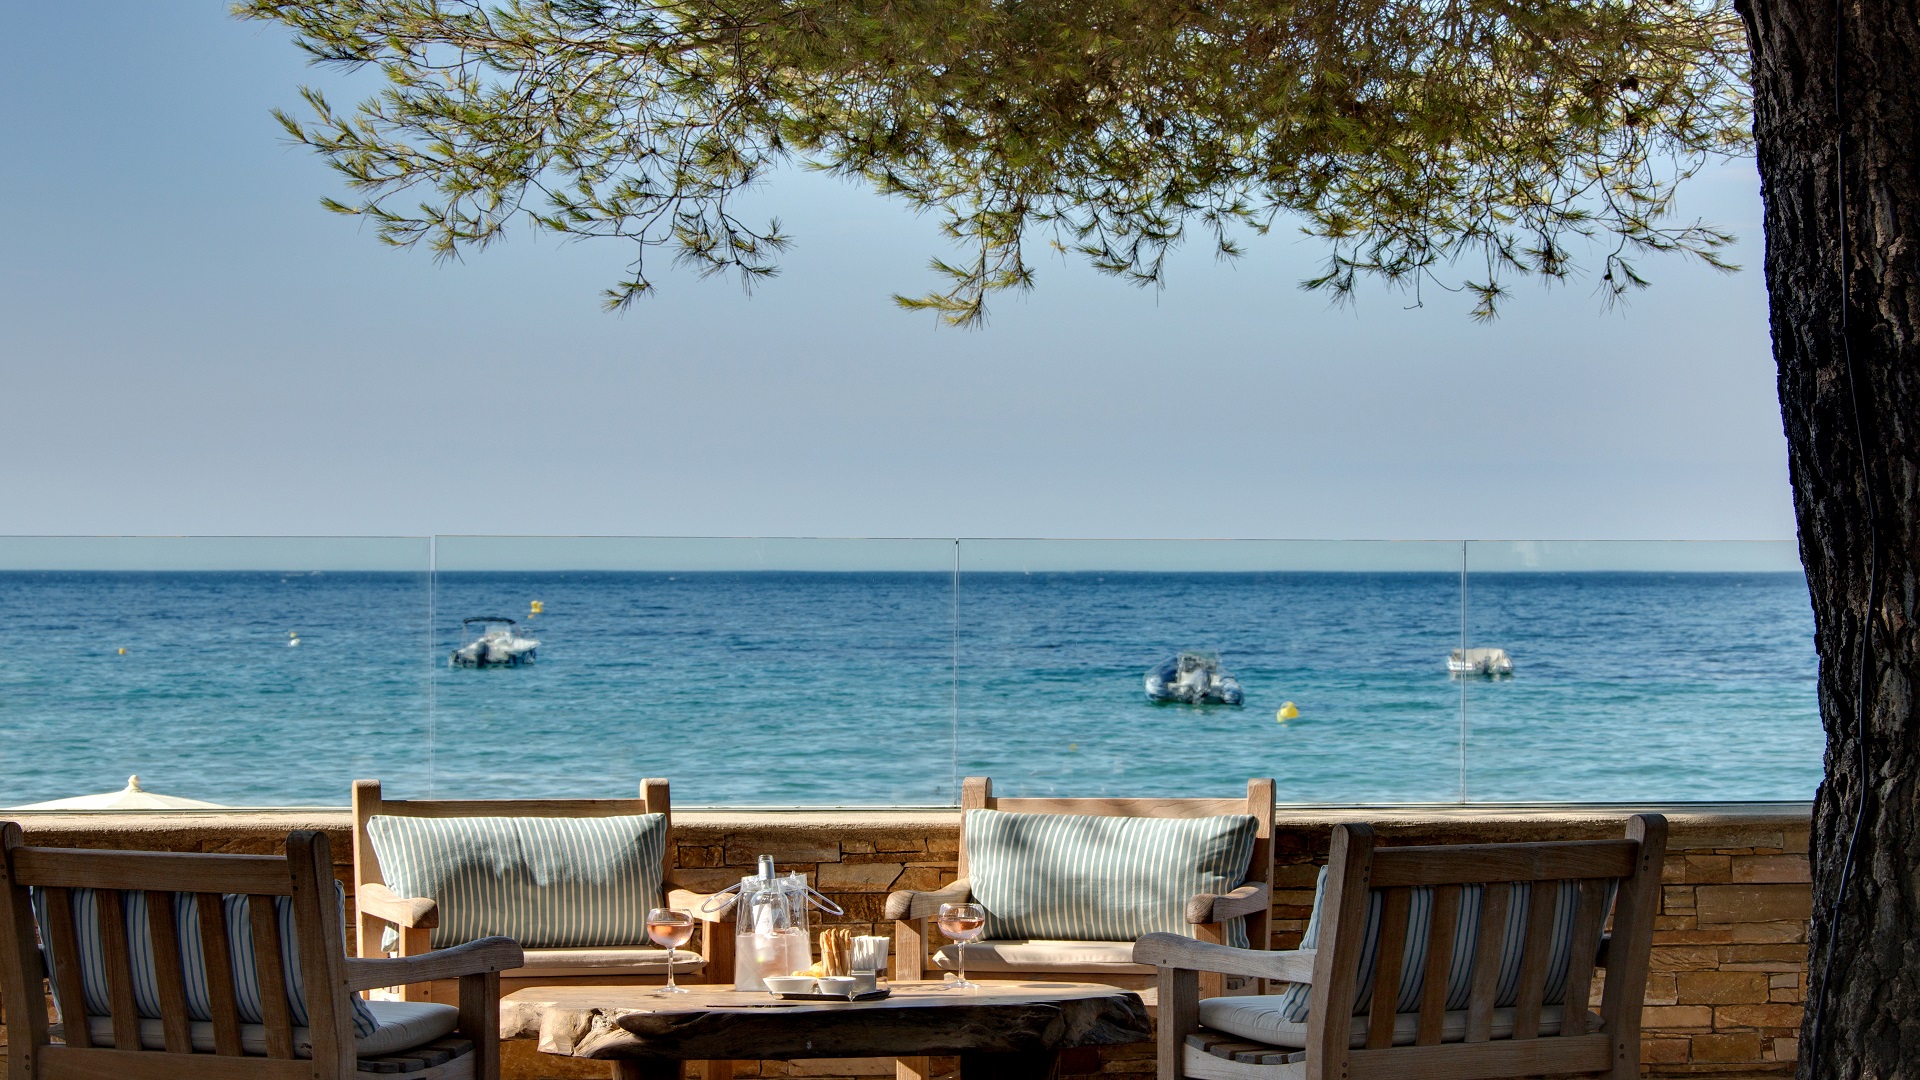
(770, 926)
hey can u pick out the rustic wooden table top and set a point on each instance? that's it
(920, 1018)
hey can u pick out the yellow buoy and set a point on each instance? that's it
(123, 652)
(535, 607)
(1287, 712)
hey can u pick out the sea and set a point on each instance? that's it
(857, 688)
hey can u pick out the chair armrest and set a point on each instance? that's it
(1216, 907)
(473, 958)
(696, 902)
(908, 904)
(415, 913)
(1176, 951)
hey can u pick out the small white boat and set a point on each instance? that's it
(1194, 678)
(494, 644)
(1479, 662)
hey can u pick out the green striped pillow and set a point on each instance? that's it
(1081, 878)
(545, 882)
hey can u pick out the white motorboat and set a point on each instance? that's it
(1194, 678)
(490, 641)
(1487, 662)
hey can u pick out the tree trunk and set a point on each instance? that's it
(1871, 1027)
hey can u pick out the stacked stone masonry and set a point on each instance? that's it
(1723, 998)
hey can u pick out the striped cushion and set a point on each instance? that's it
(403, 1024)
(545, 882)
(186, 921)
(1261, 1019)
(1465, 939)
(1081, 878)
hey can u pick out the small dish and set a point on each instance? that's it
(837, 985)
(790, 984)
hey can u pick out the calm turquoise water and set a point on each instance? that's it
(784, 688)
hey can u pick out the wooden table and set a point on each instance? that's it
(1013, 1030)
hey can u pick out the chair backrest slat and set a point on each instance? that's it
(1140, 808)
(1632, 946)
(330, 1016)
(169, 973)
(1589, 916)
(456, 808)
(1259, 805)
(1336, 964)
(1535, 955)
(223, 1005)
(119, 963)
(1467, 865)
(1386, 977)
(22, 965)
(1441, 929)
(64, 946)
(85, 869)
(1494, 900)
(274, 1013)
(22, 969)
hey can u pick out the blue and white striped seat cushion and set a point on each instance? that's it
(1081, 878)
(186, 921)
(1465, 940)
(403, 1025)
(548, 883)
(1261, 1020)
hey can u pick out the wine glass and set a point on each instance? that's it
(670, 928)
(962, 923)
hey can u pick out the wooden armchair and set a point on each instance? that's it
(171, 966)
(415, 918)
(1109, 962)
(1445, 999)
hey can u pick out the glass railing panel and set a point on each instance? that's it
(1641, 671)
(244, 671)
(746, 671)
(1057, 637)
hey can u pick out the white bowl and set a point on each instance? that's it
(841, 985)
(790, 984)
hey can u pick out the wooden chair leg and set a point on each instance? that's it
(1179, 993)
(909, 958)
(716, 948)
(1212, 983)
(917, 1068)
(480, 1021)
(414, 942)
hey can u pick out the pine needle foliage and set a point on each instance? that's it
(1458, 143)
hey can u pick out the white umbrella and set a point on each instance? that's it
(131, 797)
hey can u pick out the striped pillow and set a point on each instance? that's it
(545, 882)
(1081, 878)
(186, 921)
(1465, 938)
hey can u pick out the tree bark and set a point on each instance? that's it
(1871, 1027)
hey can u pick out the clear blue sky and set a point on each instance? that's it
(189, 344)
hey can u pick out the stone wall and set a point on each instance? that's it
(1723, 996)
